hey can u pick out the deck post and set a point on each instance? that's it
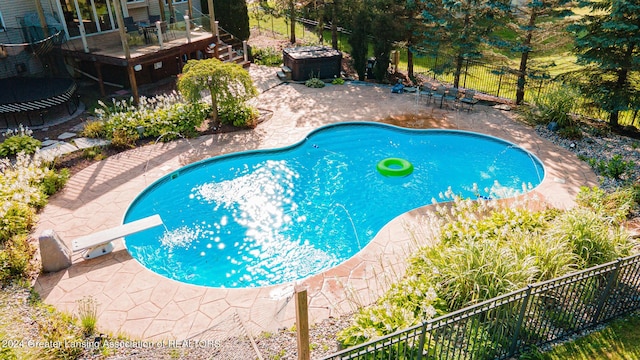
(127, 53)
(42, 18)
(245, 49)
(187, 24)
(98, 67)
(159, 34)
(212, 19)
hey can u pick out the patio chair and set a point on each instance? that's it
(451, 95)
(131, 25)
(427, 91)
(469, 99)
(154, 18)
(439, 94)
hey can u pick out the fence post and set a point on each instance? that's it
(435, 66)
(302, 323)
(273, 33)
(516, 333)
(611, 281)
(466, 71)
(499, 84)
(423, 335)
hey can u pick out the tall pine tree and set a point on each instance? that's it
(608, 44)
(461, 27)
(233, 16)
(536, 17)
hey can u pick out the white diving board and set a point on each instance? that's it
(99, 243)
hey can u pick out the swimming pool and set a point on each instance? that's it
(267, 217)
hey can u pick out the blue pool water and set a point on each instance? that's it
(267, 217)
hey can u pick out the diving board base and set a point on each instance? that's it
(99, 243)
(100, 250)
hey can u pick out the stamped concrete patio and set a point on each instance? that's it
(143, 305)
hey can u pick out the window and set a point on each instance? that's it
(175, 2)
(134, 1)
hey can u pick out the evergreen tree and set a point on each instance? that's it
(462, 27)
(608, 43)
(386, 29)
(537, 17)
(233, 16)
(413, 29)
(360, 24)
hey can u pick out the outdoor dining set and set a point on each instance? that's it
(148, 28)
(449, 95)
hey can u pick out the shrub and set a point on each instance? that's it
(165, 117)
(337, 81)
(24, 187)
(314, 83)
(53, 181)
(123, 139)
(18, 219)
(93, 153)
(614, 168)
(240, 116)
(617, 204)
(593, 238)
(474, 271)
(19, 140)
(15, 258)
(571, 132)
(267, 56)
(94, 129)
(552, 257)
(556, 106)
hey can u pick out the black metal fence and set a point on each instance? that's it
(501, 81)
(514, 323)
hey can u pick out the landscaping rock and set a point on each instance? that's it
(54, 253)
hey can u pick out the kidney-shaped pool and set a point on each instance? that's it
(267, 217)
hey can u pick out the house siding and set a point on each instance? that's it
(14, 9)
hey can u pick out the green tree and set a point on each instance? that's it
(233, 16)
(360, 25)
(385, 31)
(608, 42)
(462, 27)
(412, 27)
(536, 17)
(283, 8)
(229, 84)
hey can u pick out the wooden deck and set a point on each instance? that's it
(107, 48)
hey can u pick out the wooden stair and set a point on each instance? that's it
(236, 54)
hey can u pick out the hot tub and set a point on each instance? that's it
(312, 61)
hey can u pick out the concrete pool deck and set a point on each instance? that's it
(143, 305)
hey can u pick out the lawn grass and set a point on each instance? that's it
(618, 341)
(273, 25)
